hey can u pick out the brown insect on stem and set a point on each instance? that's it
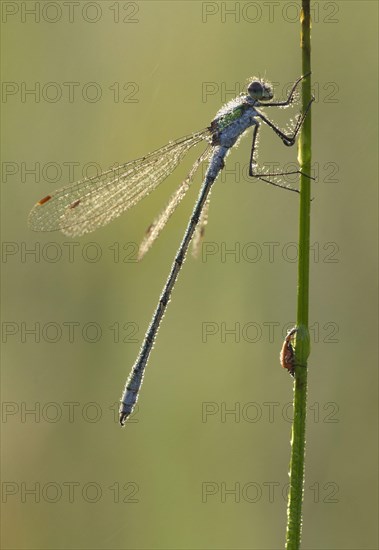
(287, 354)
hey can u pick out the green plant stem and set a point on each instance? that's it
(302, 343)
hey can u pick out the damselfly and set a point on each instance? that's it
(91, 203)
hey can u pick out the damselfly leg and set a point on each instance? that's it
(288, 139)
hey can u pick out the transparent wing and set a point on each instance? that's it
(91, 203)
(200, 229)
(159, 223)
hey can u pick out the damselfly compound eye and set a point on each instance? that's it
(255, 89)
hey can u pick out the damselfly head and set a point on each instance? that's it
(260, 90)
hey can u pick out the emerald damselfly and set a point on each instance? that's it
(84, 206)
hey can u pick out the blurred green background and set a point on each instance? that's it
(204, 461)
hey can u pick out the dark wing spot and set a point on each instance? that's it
(45, 199)
(149, 229)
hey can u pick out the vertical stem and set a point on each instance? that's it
(302, 344)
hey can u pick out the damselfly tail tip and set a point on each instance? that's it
(123, 418)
